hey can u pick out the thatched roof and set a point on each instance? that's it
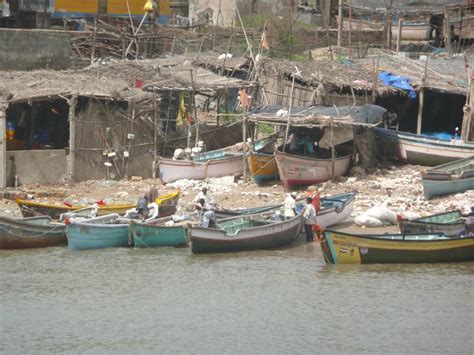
(115, 80)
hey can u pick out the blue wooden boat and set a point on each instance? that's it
(421, 149)
(450, 178)
(96, 233)
(157, 234)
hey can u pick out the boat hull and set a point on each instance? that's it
(279, 234)
(451, 224)
(172, 170)
(421, 150)
(297, 170)
(149, 236)
(167, 206)
(29, 233)
(262, 167)
(84, 236)
(342, 248)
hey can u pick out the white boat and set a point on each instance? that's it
(211, 164)
(297, 170)
(420, 149)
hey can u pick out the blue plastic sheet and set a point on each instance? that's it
(401, 82)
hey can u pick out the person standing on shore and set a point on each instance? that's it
(309, 215)
(290, 205)
(469, 224)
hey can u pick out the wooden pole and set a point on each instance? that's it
(193, 101)
(94, 39)
(350, 29)
(340, 24)
(127, 173)
(3, 146)
(447, 33)
(327, 14)
(389, 26)
(155, 137)
(421, 100)
(71, 161)
(399, 34)
(376, 79)
(467, 131)
(244, 148)
(289, 113)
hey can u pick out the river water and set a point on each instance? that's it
(285, 301)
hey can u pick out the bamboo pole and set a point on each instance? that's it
(466, 129)
(71, 161)
(3, 146)
(399, 34)
(376, 79)
(340, 24)
(350, 29)
(289, 113)
(244, 148)
(447, 33)
(421, 100)
(155, 137)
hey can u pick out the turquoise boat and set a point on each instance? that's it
(449, 178)
(97, 233)
(156, 234)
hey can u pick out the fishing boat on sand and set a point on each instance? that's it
(421, 149)
(262, 167)
(167, 206)
(449, 223)
(157, 234)
(245, 233)
(332, 210)
(33, 232)
(298, 170)
(449, 178)
(345, 248)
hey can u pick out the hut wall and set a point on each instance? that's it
(36, 166)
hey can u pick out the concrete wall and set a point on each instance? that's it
(32, 49)
(36, 166)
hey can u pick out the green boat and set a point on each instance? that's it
(449, 178)
(449, 223)
(157, 234)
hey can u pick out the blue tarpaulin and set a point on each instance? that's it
(401, 82)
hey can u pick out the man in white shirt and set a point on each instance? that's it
(290, 205)
(205, 195)
(309, 216)
(5, 18)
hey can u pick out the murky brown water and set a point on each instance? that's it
(286, 301)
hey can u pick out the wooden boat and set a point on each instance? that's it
(449, 223)
(245, 233)
(97, 233)
(262, 167)
(345, 248)
(167, 204)
(34, 232)
(449, 178)
(334, 209)
(211, 164)
(157, 234)
(297, 170)
(420, 149)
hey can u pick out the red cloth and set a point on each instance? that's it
(317, 202)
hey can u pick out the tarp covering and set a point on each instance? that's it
(400, 82)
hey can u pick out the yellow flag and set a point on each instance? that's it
(181, 120)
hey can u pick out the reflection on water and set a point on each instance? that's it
(282, 301)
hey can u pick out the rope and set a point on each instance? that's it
(31, 236)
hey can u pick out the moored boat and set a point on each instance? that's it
(449, 178)
(33, 232)
(245, 233)
(345, 248)
(157, 234)
(200, 168)
(333, 209)
(421, 149)
(97, 233)
(297, 170)
(262, 167)
(449, 223)
(167, 206)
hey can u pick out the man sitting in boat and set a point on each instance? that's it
(204, 194)
(290, 205)
(207, 218)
